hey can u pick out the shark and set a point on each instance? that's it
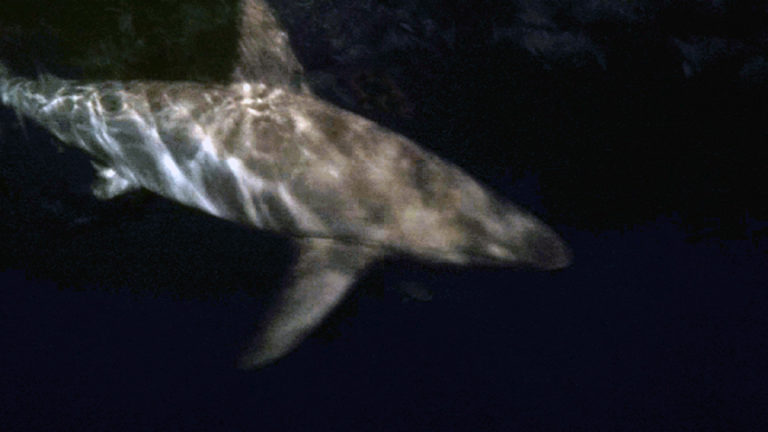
(263, 150)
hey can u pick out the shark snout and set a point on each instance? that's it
(543, 250)
(526, 241)
(547, 251)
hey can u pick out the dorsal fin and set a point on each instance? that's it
(264, 48)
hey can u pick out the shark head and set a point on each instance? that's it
(501, 233)
(506, 235)
(472, 225)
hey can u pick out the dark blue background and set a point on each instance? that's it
(130, 314)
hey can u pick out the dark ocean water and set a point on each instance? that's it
(644, 332)
(634, 139)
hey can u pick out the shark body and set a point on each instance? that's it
(264, 151)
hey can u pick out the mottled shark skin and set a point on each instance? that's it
(266, 152)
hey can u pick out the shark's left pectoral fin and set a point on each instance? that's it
(324, 271)
(109, 183)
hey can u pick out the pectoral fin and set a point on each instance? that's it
(325, 270)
